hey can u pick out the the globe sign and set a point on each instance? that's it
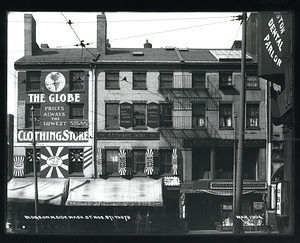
(55, 81)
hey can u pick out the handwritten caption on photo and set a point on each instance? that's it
(79, 217)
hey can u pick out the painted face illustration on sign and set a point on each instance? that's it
(55, 82)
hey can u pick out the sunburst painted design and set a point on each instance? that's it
(19, 166)
(54, 162)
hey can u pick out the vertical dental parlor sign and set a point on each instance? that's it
(275, 42)
(54, 100)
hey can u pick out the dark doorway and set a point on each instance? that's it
(203, 211)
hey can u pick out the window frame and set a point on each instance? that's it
(134, 125)
(198, 115)
(112, 162)
(255, 117)
(76, 117)
(226, 83)
(29, 82)
(165, 161)
(139, 163)
(251, 75)
(112, 115)
(195, 81)
(169, 80)
(139, 83)
(115, 81)
(72, 82)
(224, 117)
(166, 122)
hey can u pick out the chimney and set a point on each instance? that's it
(101, 33)
(237, 44)
(31, 46)
(147, 44)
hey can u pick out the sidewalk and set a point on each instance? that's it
(212, 232)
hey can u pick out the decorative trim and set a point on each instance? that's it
(19, 166)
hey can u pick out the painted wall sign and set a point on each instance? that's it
(53, 136)
(54, 98)
(153, 115)
(78, 123)
(19, 166)
(55, 81)
(54, 116)
(126, 115)
(128, 135)
(54, 162)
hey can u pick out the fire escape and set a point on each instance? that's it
(183, 93)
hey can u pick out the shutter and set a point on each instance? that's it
(129, 162)
(125, 115)
(153, 115)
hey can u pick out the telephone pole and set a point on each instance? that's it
(239, 165)
(36, 196)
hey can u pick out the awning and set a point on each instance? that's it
(115, 192)
(50, 191)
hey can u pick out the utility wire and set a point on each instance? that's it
(166, 31)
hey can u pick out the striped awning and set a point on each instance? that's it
(115, 192)
(50, 191)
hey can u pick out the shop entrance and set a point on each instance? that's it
(203, 211)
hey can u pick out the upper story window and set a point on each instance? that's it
(36, 115)
(198, 80)
(139, 160)
(166, 118)
(112, 115)
(76, 160)
(252, 116)
(166, 80)
(225, 115)
(139, 115)
(198, 111)
(112, 80)
(165, 161)
(112, 161)
(77, 81)
(225, 79)
(76, 111)
(29, 160)
(252, 81)
(33, 81)
(139, 81)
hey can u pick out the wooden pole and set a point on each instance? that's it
(239, 169)
(36, 196)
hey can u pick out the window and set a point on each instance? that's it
(139, 160)
(165, 161)
(36, 114)
(166, 80)
(166, 115)
(198, 111)
(76, 111)
(225, 115)
(33, 81)
(252, 120)
(139, 81)
(76, 161)
(225, 79)
(112, 80)
(252, 81)
(29, 160)
(77, 81)
(112, 161)
(198, 80)
(112, 116)
(139, 115)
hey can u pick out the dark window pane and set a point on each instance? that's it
(139, 160)
(139, 80)
(112, 115)
(198, 80)
(112, 80)
(225, 115)
(76, 161)
(166, 80)
(139, 115)
(77, 80)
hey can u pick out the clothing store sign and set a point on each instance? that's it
(53, 136)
